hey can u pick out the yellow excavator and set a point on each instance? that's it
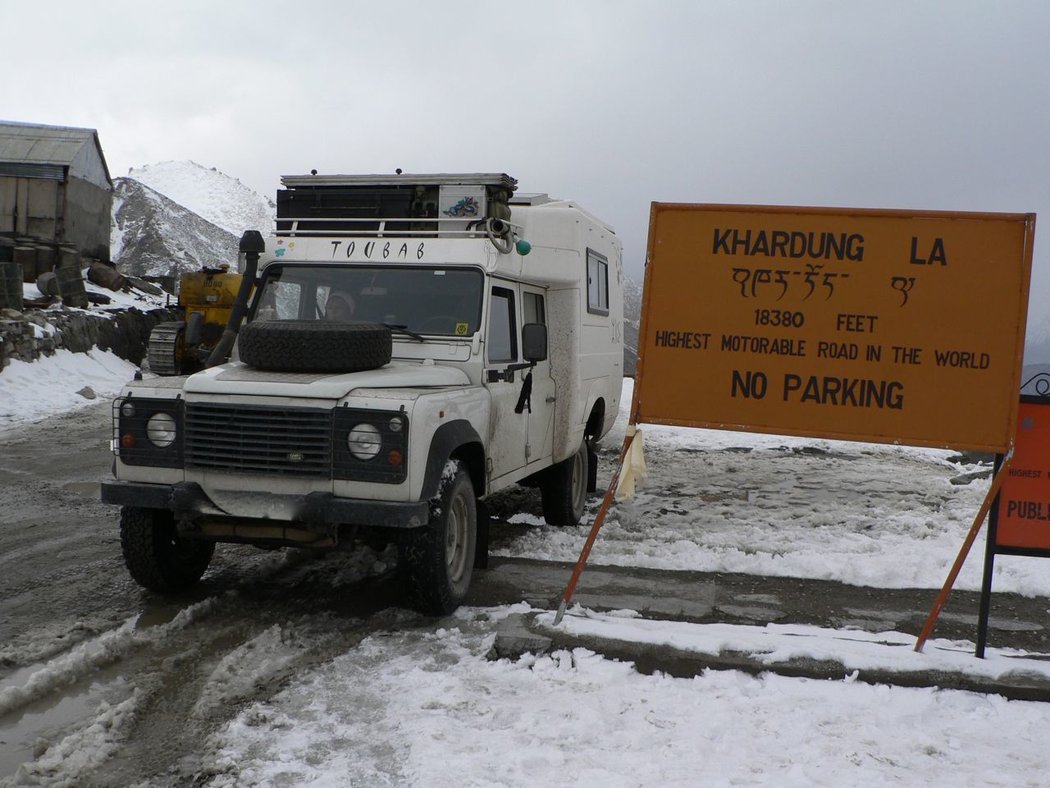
(181, 347)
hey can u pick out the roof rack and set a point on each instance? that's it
(401, 180)
(434, 205)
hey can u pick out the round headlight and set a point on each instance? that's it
(160, 429)
(127, 409)
(364, 441)
(396, 424)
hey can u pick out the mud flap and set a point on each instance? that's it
(481, 544)
(592, 467)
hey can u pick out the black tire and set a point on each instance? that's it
(314, 345)
(436, 562)
(563, 489)
(155, 555)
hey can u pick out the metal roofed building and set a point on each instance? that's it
(55, 186)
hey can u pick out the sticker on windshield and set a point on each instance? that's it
(462, 329)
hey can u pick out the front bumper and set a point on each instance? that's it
(188, 499)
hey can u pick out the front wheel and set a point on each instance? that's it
(563, 489)
(156, 557)
(436, 562)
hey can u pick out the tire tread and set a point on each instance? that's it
(421, 561)
(314, 346)
(556, 491)
(146, 541)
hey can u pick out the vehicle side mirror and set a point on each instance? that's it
(534, 342)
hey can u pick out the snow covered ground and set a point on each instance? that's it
(66, 380)
(423, 705)
(428, 708)
(866, 514)
(62, 382)
(431, 708)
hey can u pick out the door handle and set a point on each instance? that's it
(501, 375)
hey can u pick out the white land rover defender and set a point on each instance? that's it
(413, 344)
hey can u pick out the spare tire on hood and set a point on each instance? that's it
(314, 345)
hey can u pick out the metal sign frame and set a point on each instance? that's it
(992, 546)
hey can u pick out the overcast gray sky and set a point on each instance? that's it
(934, 105)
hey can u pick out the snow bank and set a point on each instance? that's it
(419, 708)
(780, 643)
(62, 382)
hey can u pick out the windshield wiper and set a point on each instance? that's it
(403, 329)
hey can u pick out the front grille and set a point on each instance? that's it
(254, 439)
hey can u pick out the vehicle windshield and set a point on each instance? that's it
(441, 301)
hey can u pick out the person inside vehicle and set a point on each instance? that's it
(339, 307)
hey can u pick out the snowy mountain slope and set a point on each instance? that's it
(154, 236)
(217, 197)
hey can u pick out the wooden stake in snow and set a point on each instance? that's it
(982, 513)
(599, 519)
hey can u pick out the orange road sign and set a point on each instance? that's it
(874, 325)
(1022, 513)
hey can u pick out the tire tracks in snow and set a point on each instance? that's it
(175, 671)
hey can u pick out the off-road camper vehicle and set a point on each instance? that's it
(414, 344)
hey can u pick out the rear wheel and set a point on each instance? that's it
(564, 489)
(155, 555)
(436, 562)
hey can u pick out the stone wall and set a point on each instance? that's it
(28, 335)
